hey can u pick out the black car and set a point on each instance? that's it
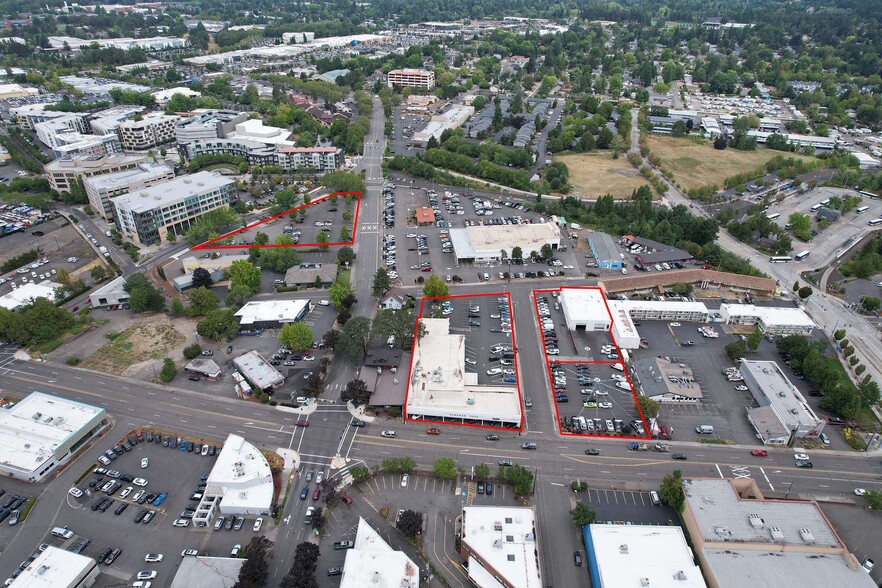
(197, 378)
(492, 437)
(592, 451)
(140, 516)
(119, 509)
(577, 558)
(682, 456)
(335, 571)
(804, 464)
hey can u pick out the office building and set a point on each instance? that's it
(100, 189)
(500, 545)
(63, 172)
(163, 96)
(149, 214)
(254, 152)
(258, 371)
(50, 132)
(106, 122)
(411, 78)
(258, 315)
(75, 144)
(209, 124)
(150, 131)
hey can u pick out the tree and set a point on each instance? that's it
(255, 571)
(435, 287)
(143, 295)
(382, 282)
(520, 477)
(314, 384)
(360, 474)
(202, 278)
(410, 523)
(482, 471)
(202, 300)
(648, 407)
(870, 303)
(176, 308)
(356, 392)
(671, 490)
(582, 515)
(682, 288)
(805, 292)
(546, 251)
(168, 371)
(98, 273)
(444, 468)
(354, 338)
(735, 350)
(297, 336)
(243, 274)
(874, 499)
(192, 351)
(679, 128)
(345, 255)
(322, 240)
(237, 297)
(341, 181)
(64, 277)
(754, 339)
(218, 324)
(517, 253)
(339, 293)
(801, 225)
(394, 323)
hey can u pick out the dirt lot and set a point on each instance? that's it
(597, 174)
(151, 339)
(696, 164)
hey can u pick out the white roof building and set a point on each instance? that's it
(27, 293)
(58, 568)
(441, 388)
(163, 96)
(452, 118)
(100, 189)
(664, 310)
(500, 541)
(772, 320)
(258, 371)
(262, 314)
(625, 555)
(240, 483)
(41, 432)
(585, 309)
(373, 562)
(113, 292)
(208, 572)
(866, 161)
(483, 244)
(253, 129)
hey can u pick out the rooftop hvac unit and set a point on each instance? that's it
(781, 393)
(497, 525)
(722, 532)
(680, 575)
(623, 548)
(497, 544)
(36, 416)
(644, 581)
(776, 533)
(806, 535)
(755, 521)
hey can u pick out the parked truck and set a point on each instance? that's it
(104, 251)
(634, 446)
(661, 448)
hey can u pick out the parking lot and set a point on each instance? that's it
(404, 125)
(618, 507)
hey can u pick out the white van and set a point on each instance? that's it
(653, 496)
(618, 366)
(579, 423)
(704, 429)
(62, 532)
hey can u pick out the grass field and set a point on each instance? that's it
(153, 338)
(696, 164)
(598, 174)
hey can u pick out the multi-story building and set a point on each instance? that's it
(52, 132)
(323, 159)
(147, 216)
(150, 131)
(500, 545)
(63, 172)
(100, 189)
(254, 152)
(27, 116)
(105, 122)
(411, 78)
(209, 124)
(72, 144)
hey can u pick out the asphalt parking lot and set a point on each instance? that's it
(619, 507)
(403, 129)
(858, 529)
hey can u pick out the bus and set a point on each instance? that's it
(773, 216)
(783, 258)
(825, 202)
(868, 194)
(816, 207)
(875, 222)
(801, 255)
(862, 209)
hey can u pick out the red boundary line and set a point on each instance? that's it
(208, 245)
(514, 363)
(549, 361)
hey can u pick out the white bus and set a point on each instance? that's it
(862, 209)
(801, 255)
(783, 258)
(773, 216)
(875, 222)
(816, 207)
(825, 202)
(868, 194)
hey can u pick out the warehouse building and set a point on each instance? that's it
(42, 432)
(772, 320)
(373, 562)
(743, 539)
(58, 568)
(452, 118)
(27, 293)
(500, 545)
(258, 315)
(441, 388)
(783, 411)
(111, 293)
(483, 245)
(640, 555)
(258, 371)
(604, 251)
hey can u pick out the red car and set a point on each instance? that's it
(346, 498)
(428, 268)
(316, 494)
(759, 453)
(302, 423)
(433, 431)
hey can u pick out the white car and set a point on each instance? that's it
(190, 553)
(404, 479)
(257, 524)
(153, 557)
(144, 462)
(604, 404)
(324, 302)
(138, 495)
(675, 324)
(860, 492)
(494, 371)
(800, 457)
(126, 492)
(411, 235)
(387, 434)
(741, 388)
(181, 523)
(235, 551)
(145, 575)
(471, 361)
(139, 482)
(71, 260)
(393, 275)
(75, 492)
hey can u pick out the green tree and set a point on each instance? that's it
(435, 287)
(482, 471)
(520, 477)
(341, 181)
(870, 303)
(874, 499)
(735, 350)
(394, 323)
(410, 523)
(243, 274)
(354, 338)
(801, 225)
(671, 490)
(805, 292)
(339, 293)
(648, 406)
(444, 468)
(98, 273)
(237, 297)
(218, 324)
(682, 288)
(143, 295)
(517, 253)
(754, 339)
(679, 128)
(176, 308)
(322, 240)
(297, 336)
(168, 371)
(202, 300)
(192, 351)
(255, 571)
(360, 474)
(546, 251)
(582, 515)
(345, 255)
(202, 278)
(382, 282)
(356, 392)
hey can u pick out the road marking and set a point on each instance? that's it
(767, 479)
(718, 470)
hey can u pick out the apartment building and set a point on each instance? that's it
(323, 159)
(148, 132)
(64, 171)
(147, 216)
(209, 124)
(72, 144)
(254, 152)
(100, 189)
(411, 78)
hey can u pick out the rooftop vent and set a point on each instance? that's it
(680, 575)
(755, 521)
(781, 394)
(497, 525)
(623, 548)
(776, 533)
(36, 416)
(722, 532)
(644, 581)
(497, 544)
(806, 535)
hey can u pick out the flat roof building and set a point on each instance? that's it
(42, 431)
(8, 91)
(605, 252)
(152, 130)
(208, 572)
(743, 539)
(373, 562)
(207, 368)
(148, 215)
(222, 262)
(323, 159)
(585, 309)
(501, 546)
(58, 568)
(640, 555)
(663, 380)
(257, 315)
(113, 292)
(100, 189)
(310, 274)
(27, 293)
(483, 244)
(771, 388)
(411, 78)
(163, 96)
(209, 124)
(452, 118)
(706, 279)
(440, 388)
(664, 310)
(772, 320)
(258, 371)
(62, 172)
(240, 483)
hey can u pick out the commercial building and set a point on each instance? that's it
(253, 129)
(50, 132)
(321, 159)
(106, 122)
(783, 411)
(743, 539)
(258, 371)
(148, 215)
(866, 161)
(452, 118)
(74, 144)
(58, 568)
(411, 78)
(42, 432)
(150, 131)
(125, 43)
(440, 388)
(772, 320)
(664, 310)
(500, 545)
(373, 562)
(604, 251)
(110, 294)
(664, 380)
(100, 87)
(797, 140)
(100, 189)
(483, 245)
(27, 293)
(310, 274)
(28, 116)
(209, 124)
(253, 152)
(208, 572)
(62, 172)
(257, 315)
(585, 309)
(640, 555)
(8, 91)
(206, 368)
(163, 96)
(704, 279)
(239, 484)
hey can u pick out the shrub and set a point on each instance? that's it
(73, 360)
(192, 351)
